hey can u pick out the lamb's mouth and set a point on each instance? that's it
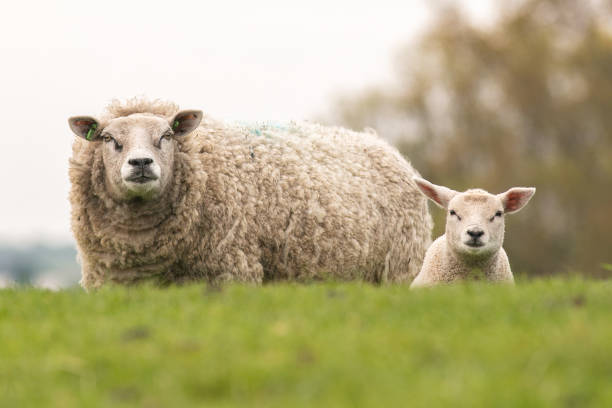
(474, 243)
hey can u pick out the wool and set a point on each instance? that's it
(294, 202)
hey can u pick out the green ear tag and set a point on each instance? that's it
(175, 124)
(91, 131)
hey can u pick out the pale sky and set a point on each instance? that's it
(235, 60)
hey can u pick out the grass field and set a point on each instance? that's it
(542, 343)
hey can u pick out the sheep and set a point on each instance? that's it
(170, 196)
(471, 248)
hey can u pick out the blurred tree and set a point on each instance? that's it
(524, 101)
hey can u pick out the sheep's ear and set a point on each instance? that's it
(438, 194)
(516, 198)
(85, 126)
(185, 122)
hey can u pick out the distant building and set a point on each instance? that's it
(5, 280)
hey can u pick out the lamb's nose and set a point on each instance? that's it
(475, 233)
(140, 162)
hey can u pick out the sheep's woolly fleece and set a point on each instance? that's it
(293, 202)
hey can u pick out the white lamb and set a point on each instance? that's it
(472, 244)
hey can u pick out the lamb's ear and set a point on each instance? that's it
(185, 122)
(516, 198)
(85, 126)
(438, 194)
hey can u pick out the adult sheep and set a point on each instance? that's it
(171, 196)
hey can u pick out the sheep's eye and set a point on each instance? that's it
(166, 136)
(452, 212)
(107, 138)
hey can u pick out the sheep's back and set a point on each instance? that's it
(317, 196)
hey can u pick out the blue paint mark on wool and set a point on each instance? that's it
(268, 129)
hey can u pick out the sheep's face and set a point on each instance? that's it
(475, 218)
(138, 154)
(137, 151)
(475, 223)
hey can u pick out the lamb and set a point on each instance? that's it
(171, 196)
(472, 244)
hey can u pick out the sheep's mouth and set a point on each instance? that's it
(140, 179)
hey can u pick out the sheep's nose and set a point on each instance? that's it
(475, 233)
(140, 162)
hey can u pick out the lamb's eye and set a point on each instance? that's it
(452, 212)
(106, 138)
(497, 214)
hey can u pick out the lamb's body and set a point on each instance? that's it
(442, 265)
(254, 205)
(471, 247)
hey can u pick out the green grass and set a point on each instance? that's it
(542, 343)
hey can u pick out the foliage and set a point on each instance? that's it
(523, 101)
(541, 343)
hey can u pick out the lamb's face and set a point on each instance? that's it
(475, 223)
(475, 218)
(137, 150)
